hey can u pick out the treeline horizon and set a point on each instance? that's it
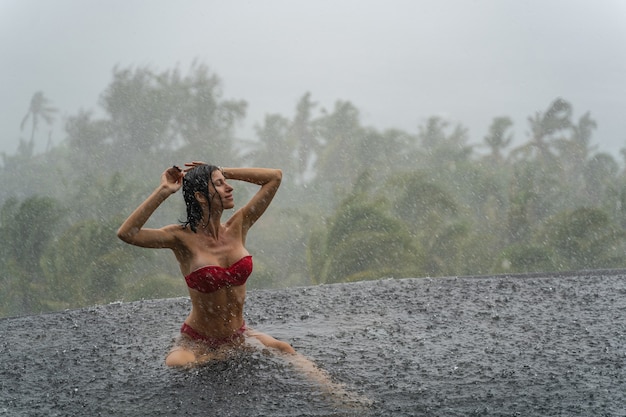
(356, 202)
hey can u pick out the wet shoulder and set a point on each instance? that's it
(236, 220)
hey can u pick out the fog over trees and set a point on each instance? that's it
(356, 202)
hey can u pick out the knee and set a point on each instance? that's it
(284, 347)
(180, 357)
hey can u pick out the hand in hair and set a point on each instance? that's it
(172, 179)
(193, 164)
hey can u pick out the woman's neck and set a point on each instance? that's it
(213, 226)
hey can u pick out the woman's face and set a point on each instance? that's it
(221, 191)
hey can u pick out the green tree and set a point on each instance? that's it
(38, 109)
(301, 137)
(347, 149)
(89, 265)
(527, 202)
(26, 229)
(498, 139)
(600, 179)
(272, 149)
(151, 113)
(204, 118)
(280, 240)
(362, 241)
(88, 143)
(340, 132)
(84, 266)
(431, 216)
(543, 128)
(288, 144)
(574, 157)
(421, 202)
(525, 257)
(584, 238)
(103, 198)
(140, 112)
(352, 204)
(442, 149)
(481, 192)
(577, 149)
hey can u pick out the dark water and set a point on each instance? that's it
(492, 346)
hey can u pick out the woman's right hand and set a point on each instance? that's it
(133, 231)
(172, 179)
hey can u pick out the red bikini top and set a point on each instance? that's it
(213, 277)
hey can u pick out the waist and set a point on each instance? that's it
(213, 342)
(221, 307)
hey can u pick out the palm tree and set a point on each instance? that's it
(577, 149)
(362, 241)
(272, 147)
(498, 139)
(301, 137)
(543, 127)
(39, 109)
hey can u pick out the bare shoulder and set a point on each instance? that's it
(174, 228)
(236, 219)
(235, 225)
(182, 240)
(175, 233)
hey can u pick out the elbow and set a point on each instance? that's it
(124, 235)
(121, 235)
(279, 175)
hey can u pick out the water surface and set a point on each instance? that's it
(486, 346)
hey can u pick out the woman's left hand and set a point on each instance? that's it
(193, 164)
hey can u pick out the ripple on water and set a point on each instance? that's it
(440, 346)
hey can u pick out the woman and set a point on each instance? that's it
(212, 256)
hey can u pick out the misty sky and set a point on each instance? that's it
(398, 62)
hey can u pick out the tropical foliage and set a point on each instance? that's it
(356, 202)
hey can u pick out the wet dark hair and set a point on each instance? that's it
(196, 179)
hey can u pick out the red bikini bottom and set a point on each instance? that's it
(212, 342)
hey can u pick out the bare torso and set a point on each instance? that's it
(216, 314)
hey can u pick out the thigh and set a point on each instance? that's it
(270, 342)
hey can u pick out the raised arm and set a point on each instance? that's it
(268, 179)
(132, 230)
